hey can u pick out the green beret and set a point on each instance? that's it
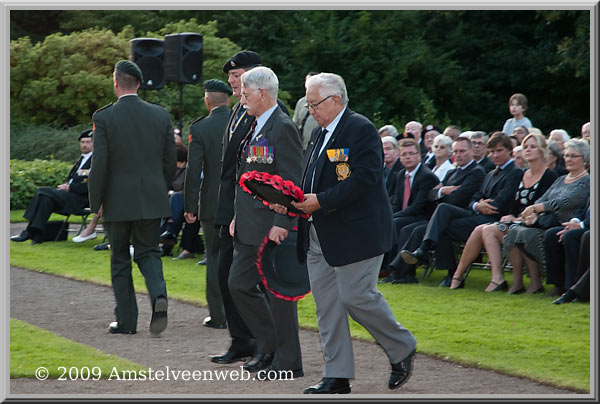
(216, 86)
(129, 67)
(86, 133)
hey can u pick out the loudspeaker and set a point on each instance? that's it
(148, 54)
(183, 58)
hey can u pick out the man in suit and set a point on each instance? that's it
(429, 134)
(457, 188)
(479, 140)
(69, 197)
(206, 135)
(347, 235)
(411, 202)
(134, 163)
(242, 341)
(272, 145)
(452, 223)
(391, 159)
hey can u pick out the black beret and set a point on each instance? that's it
(243, 59)
(86, 133)
(129, 67)
(216, 86)
(429, 128)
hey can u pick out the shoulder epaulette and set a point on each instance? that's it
(197, 120)
(104, 107)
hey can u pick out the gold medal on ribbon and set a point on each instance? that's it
(342, 170)
(331, 155)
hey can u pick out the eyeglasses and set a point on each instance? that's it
(407, 154)
(572, 156)
(439, 146)
(314, 107)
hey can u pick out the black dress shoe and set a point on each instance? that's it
(406, 279)
(209, 323)
(461, 284)
(230, 357)
(401, 371)
(388, 279)
(271, 374)
(414, 257)
(259, 361)
(102, 247)
(567, 297)
(24, 236)
(168, 238)
(330, 385)
(446, 282)
(502, 286)
(36, 240)
(556, 292)
(518, 291)
(159, 316)
(115, 329)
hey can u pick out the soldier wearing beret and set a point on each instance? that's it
(70, 197)
(205, 150)
(134, 164)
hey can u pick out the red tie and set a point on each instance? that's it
(406, 191)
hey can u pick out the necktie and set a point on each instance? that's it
(497, 170)
(314, 158)
(406, 191)
(244, 143)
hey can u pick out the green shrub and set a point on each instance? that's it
(27, 176)
(31, 142)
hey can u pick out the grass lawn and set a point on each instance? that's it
(519, 335)
(32, 347)
(16, 216)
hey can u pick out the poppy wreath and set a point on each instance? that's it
(263, 279)
(251, 183)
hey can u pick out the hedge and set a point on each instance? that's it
(27, 176)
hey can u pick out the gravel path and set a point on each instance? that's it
(81, 311)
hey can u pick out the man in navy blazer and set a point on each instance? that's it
(457, 188)
(344, 240)
(452, 223)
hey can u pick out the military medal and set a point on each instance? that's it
(270, 155)
(342, 170)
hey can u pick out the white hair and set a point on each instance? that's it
(390, 139)
(391, 128)
(261, 77)
(563, 133)
(329, 84)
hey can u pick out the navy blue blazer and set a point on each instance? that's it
(419, 203)
(501, 188)
(390, 180)
(355, 219)
(470, 179)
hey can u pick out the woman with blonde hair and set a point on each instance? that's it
(536, 180)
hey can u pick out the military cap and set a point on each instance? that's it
(429, 128)
(216, 86)
(243, 59)
(129, 67)
(86, 133)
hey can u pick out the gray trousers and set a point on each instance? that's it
(272, 321)
(213, 290)
(352, 289)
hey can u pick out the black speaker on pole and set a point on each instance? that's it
(149, 54)
(183, 58)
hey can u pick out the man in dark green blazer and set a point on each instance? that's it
(134, 163)
(204, 155)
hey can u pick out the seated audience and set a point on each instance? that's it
(585, 131)
(555, 160)
(580, 291)
(520, 132)
(536, 180)
(388, 130)
(414, 129)
(562, 250)
(430, 132)
(568, 193)
(392, 164)
(452, 131)
(457, 188)
(479, 140)
(70, 197)
(518, 157)
(560, 137)
(452, 223)
(442, 147)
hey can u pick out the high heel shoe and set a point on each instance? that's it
(499, 286)
(460, 285)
